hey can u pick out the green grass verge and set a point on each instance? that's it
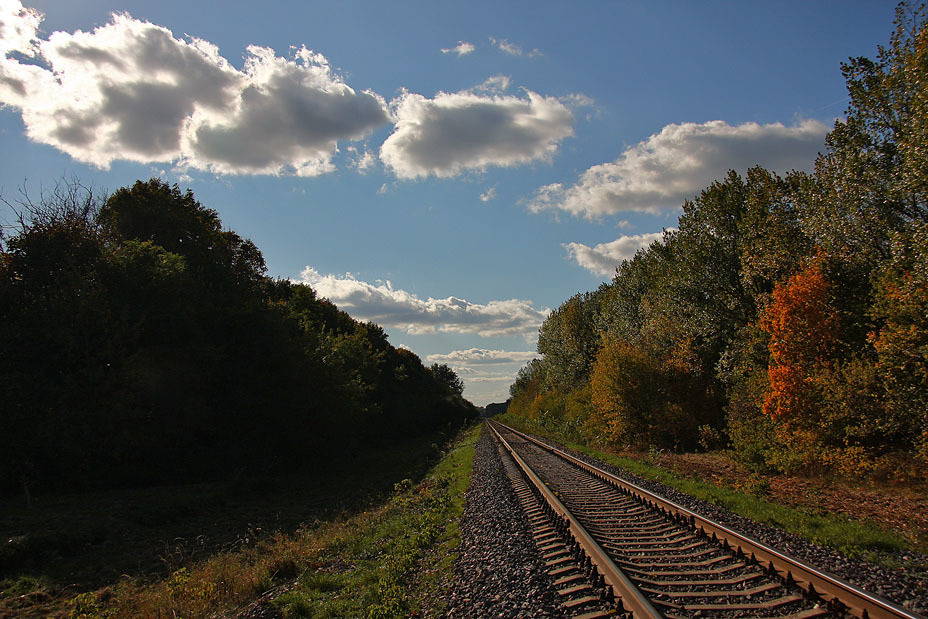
(852, 537)
(94, 539)
(392, 561)
(377, 557)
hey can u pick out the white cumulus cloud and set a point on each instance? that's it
(486, 373)
(364, 160)
(131, 90)
(461, 49)
(605, 257)
(455, 132)
(390, 307)
(658, 174)
(18, 27)
(481, 356)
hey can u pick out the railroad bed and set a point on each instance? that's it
(612, 547)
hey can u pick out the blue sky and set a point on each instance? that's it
(450, 170)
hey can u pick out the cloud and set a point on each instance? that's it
(130, 90)
(481, 356)
(390, 307)
(578, 100)
(486, 373)
(364, 161)
(452, 133)
(18, 27)
(495, 84)
(605, 257)
(658, 174)
(461, 49)
(489, 195)
(512, 49)
(290, 116)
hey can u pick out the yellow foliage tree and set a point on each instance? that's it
(639, 399)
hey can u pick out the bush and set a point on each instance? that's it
(640, 401)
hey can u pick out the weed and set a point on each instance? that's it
(23, 585)
(366, 565)
(295, 606)
(284, 568)
(150, 533)
(87, 606)
(710, 438)
(755, 484)
(323, 582)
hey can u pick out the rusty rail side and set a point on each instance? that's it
(829, 588)
(632, 599)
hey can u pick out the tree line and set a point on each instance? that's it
(140, 342)
(785, 318)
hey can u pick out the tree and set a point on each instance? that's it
(157, 212)
(568, 339)
(772, 242)
(161, 214)
(529, 374)
(901, 342)
(141, 343)
(803, 332)
(640, 400)
(805, 369)
(872, 180)
(447, 377)
(57, 334)
(796, 305)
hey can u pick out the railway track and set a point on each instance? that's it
(614, 548)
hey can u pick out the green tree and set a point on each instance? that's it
(57, 335)
(156, 212)
(901, 343)
(568, 339)
(872, 180)
(447, 377)
(141, 343)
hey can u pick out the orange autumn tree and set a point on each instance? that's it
(803, 326)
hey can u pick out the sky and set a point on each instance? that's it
(452, 171)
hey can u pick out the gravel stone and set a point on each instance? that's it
(499, 572)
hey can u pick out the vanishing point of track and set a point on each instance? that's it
(614, 548)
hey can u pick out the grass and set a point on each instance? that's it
(194, 550)
(852, 537)
(389, 560)
(393, 561)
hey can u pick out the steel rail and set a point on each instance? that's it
(632, 598)
(831, 589)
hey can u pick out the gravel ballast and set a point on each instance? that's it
(903, 589)
(499, 572)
